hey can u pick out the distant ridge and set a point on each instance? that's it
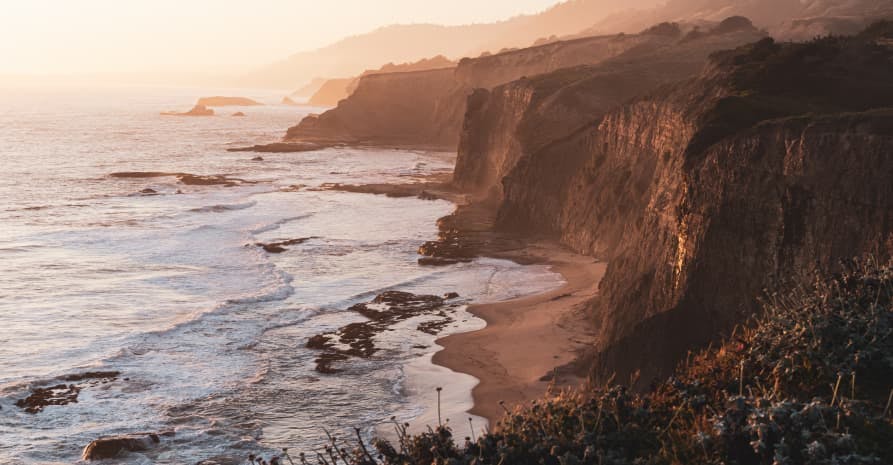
(408, 43)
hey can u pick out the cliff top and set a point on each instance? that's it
(769, 80)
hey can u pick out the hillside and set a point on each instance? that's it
(783, 19)
(428, 108)
(333, 91)
(807, 383)
(772, 163)
(412, 42)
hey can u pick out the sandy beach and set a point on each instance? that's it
(527, 339)
(517, 355)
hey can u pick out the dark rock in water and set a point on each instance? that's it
(281, 147)
(279, 247)
(441, 261)
(210, 180)
(387, 309)
(64, 394)
(60, 394)
(434, 327)
(117, 446)
(451, 295)
(425, 195)
(238, 113)
(257, 159)
(186, 178)
(93, 375)
(148, 191)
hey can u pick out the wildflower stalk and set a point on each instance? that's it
(439, 423)
(836, 387)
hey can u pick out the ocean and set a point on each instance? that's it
(164, 282)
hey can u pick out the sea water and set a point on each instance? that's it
(207, 329)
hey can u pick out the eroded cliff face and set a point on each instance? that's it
(427, 108)
(402, 109)
(773, 163)
(508, 125)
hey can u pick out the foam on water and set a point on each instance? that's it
(207, 329)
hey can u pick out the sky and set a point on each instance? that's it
(58, 37)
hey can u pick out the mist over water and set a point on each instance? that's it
(207, 329)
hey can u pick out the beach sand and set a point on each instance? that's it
(528, 343)
(527, 339)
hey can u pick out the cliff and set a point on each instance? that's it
(773, 163)
(331, 92)
(512, 121)
(406, 105)
(405, 109)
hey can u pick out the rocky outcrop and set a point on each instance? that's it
(219, 101)
(384, 311)
(118, 446)
(62, 393)
(185, 178)
(198, 110)
(773, 163)
(426, 108)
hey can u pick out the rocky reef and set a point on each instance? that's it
(771, 164)
(385, 310)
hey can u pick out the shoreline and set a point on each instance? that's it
(527, 341)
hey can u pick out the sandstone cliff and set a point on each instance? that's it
(512, 121)
(331, 92)
(774, 162)
(405, 109)
(405, 105)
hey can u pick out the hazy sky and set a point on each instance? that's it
(86, 36)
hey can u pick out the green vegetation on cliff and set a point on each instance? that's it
(809, 382)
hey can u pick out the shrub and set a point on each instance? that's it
(807, 383)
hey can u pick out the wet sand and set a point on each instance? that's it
(528, 343)
(527, 340)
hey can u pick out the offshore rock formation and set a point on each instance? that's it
(772, 163)
(426, 108)
(198, 110)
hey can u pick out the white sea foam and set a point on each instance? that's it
(207, 329)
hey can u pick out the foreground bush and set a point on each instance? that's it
(808, 383)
